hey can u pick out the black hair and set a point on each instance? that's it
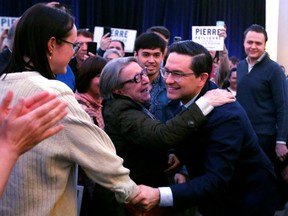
(149, 41)
(256, 28)
(89, 69)
(201, 61)
(34, 29)
(160, 30)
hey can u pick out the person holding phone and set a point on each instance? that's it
(105, 41)
(84, 37)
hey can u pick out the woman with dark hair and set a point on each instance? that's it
(88, 96)
(231, 81)
(43, 181)
(87, 88)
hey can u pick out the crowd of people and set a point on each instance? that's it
(172, 130)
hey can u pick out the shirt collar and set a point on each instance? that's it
(250, 66)
(190, 102)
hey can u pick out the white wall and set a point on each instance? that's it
(277, 29)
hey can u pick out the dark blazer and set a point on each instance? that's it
(229, 173)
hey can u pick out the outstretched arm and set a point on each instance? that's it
(27, 123)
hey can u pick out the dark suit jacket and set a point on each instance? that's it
(230, 174)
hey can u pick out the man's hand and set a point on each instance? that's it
(219, 97)
(105, 41)
(147, 198)
(281, 151)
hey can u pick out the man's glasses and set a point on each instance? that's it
(176, 76)
(76, 46)
(138, 77)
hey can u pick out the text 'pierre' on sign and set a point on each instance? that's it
(208, 36)
(127, 36)
(6, 22)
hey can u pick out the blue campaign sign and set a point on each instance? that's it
(208, 36)
(127, 36)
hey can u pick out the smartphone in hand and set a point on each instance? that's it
(106, 30)
(92, 47)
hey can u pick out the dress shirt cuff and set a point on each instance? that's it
(281, 142)
(204, 106)
(166, 197)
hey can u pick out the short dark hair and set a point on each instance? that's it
(234, 59)
(88, 70)
(34, 29)
(121, 42)
(160, 30)
(256, 28)
(230, 72)
(201, 61)
(85, 33)
(149, 41)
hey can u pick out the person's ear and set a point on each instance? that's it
(135, 53)
(51, 45)
(203, 78)
(117, 91)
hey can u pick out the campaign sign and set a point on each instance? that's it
(208, 36)
(127, 36)
(6, 23)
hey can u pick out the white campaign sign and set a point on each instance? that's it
(208, 37)
(6, 23)
(128, 36)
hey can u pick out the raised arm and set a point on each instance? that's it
(26, 124)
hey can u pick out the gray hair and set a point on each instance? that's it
(110, 76)
(110, 51)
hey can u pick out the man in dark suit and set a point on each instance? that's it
(229, 173)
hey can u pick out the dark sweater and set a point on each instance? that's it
(263, 95)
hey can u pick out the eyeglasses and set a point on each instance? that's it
(76, 46)
(138, 77)
(176, 76)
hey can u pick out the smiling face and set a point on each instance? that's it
(151, 59)
(233, 80)
(139, 92)
(62, 53)
(254, 45)
(188, 86)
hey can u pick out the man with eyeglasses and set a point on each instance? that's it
(229, 173)
(149, 50)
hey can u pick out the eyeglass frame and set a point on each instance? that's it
(173, 73)
(138, 77)
(76, 46)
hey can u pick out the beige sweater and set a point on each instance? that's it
(43, 181)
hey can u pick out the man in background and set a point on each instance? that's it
(83, 36)
(262, 91)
